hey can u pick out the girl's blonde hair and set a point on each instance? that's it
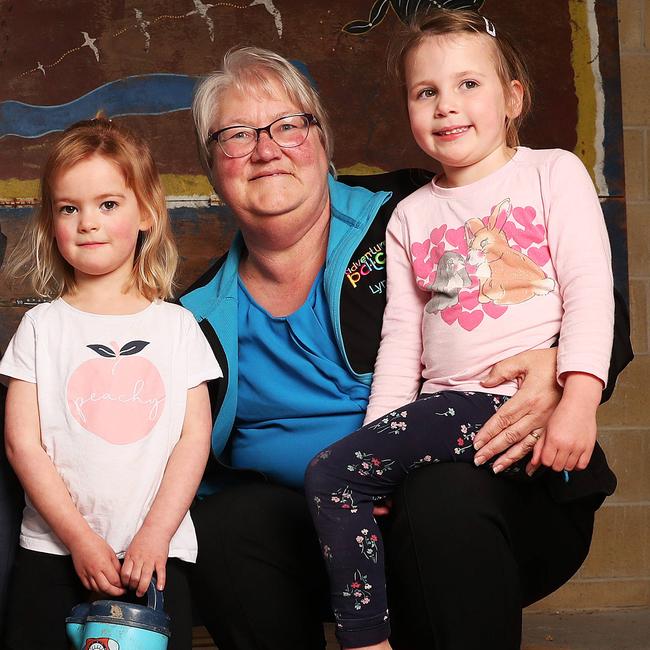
(249, 70)
(509, 61)
(37, 257)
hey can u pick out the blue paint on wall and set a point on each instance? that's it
(151, 94)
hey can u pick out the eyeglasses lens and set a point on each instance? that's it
(289, 131)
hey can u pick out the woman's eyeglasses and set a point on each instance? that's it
(288, 131)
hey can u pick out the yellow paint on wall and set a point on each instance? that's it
(584, 83)
(173, 184)
(14, 188)
(186, 185)
(360, 169)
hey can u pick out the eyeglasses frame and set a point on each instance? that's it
(214, 137)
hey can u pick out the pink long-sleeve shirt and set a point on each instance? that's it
(482, 272)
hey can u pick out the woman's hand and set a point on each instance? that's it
(526, 412)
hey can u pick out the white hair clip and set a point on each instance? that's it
(489, 27)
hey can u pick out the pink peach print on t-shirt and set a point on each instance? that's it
(119, 396)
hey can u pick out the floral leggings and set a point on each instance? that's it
(343, 481)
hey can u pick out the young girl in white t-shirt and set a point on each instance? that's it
(108, 415)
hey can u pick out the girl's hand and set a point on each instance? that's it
(571, 432)
(567, 443)
(97, 565)
(527, 411)
(147, 553)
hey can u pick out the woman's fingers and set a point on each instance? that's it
(514, 422)
(528, 409)
(536, 460)
(516, 452)
(506, 370)
(505, 418)
(505, 436)
(511, 423)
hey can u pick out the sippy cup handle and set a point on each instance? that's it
(155, 598)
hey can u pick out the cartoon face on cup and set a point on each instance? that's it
(101, 644)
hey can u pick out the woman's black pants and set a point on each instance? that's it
(465, 551)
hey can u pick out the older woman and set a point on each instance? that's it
(292, 317)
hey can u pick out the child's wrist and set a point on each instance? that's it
(158, 529)
(77, 538)
(583, 388)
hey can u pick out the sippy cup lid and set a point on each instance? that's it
(78, 614)
(119, 613)
(150, 617)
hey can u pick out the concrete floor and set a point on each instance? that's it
(602, 630)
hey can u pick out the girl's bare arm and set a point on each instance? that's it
(95, 562)
(149, 549)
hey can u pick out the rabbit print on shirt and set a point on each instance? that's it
(506, 276)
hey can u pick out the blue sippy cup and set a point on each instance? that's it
(114, 625)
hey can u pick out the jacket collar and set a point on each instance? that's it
(204, 300)
(351, 207)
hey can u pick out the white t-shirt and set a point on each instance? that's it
(112, 392)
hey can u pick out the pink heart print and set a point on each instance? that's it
(524, 216)
(450, 315)
(494, 311)
(420, 250)
(456, 237)
(427, 256)
(531, 234)
(423, 269)
(437, 252)
(539, 255)
(437, 234)
(470, 320)
(468, 299)
(421, 265)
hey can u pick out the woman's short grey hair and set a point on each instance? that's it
(253, 68)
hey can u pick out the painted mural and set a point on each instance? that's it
(138, 61)
(406, 10)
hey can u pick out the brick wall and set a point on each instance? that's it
(617, 572)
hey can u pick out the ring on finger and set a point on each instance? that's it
(535, 435)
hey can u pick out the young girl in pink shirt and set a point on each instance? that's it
(504, 251)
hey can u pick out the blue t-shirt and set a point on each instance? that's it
(295, 395)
